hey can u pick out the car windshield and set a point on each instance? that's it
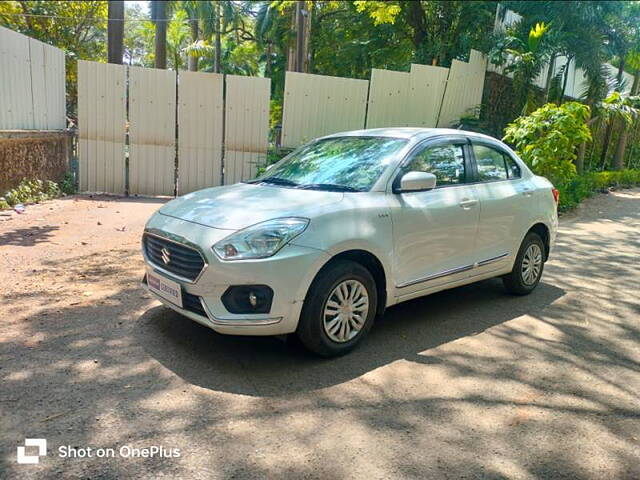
(350, 164)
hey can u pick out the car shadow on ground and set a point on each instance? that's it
(267, 366)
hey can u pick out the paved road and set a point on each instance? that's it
(469, 383)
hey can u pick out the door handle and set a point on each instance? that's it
(527, 192)
(467, 203)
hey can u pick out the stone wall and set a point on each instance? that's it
(33, 154)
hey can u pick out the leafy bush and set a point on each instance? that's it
(30, 191)
(580, 187)
(68, 184)
(547, 139)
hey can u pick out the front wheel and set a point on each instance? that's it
(339, 309)
(527, 269)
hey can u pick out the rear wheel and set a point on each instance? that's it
(527, 269)
(339, 309)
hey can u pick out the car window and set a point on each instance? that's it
(491, 164)
(513, 170)
(348, 162)
(446, 162)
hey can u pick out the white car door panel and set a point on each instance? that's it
(434, 231)
(506, 205)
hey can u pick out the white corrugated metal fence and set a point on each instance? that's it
(101, 129)
(157, 165)
(32, 80)
(426, 96)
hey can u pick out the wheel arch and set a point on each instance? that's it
(545, 233)
(372, 263)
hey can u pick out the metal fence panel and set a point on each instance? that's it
(38, 84)
(16, 101)
(55, 84)
(318, 105)
(388, 99)
(427, 86)
(464, 88)
(200, 109)
(32, 76)
(101, 127)
(246, 126)
(152, 131)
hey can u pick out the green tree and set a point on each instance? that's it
(547, 138)
(524, 58)
(439, 30)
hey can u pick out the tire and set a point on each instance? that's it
(522, 281)
(317, 328)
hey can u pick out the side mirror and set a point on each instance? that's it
(417, 182)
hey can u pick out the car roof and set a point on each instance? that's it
(412, 133)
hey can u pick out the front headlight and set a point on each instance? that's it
(261, 240)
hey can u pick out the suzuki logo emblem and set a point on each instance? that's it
(166, 255)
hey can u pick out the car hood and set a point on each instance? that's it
(238, 206)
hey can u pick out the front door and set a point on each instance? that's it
(434, 231)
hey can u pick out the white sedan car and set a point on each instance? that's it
(346, 226)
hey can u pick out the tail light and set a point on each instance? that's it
(556, 195)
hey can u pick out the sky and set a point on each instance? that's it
(145, 5)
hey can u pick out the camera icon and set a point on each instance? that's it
(22, 456)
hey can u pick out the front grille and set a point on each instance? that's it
(186, 262)
(192, 303)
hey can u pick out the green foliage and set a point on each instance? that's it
(68, 184)
(30, 191)
(547, 139)
(580, 187)
(523, 55)
(439, 30)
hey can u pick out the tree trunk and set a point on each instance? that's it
(621, 146)
(580, 158)
(217, 67)
(564, 81)
(547, 86)
(299, 36)
(415, 17)
(306, 63)
(635, 88)
(192, 61)
(159, 16)
(605, 144)
(617, 162)
(620, 75)
(115, 31)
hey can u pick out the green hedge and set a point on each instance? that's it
(583, 186)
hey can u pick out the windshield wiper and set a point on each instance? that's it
(330, 187)
(277, 181)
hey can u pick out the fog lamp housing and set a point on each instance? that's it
(248, 299)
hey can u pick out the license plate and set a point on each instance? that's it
(166, 288)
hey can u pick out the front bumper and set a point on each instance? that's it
(289, 273)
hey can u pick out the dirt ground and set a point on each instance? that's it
(469, 383)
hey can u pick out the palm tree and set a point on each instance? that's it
(159, 18)
(201, 20)
(115, 31)
(524, 57)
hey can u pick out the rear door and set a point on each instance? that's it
(506, 203)
(434, 231)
